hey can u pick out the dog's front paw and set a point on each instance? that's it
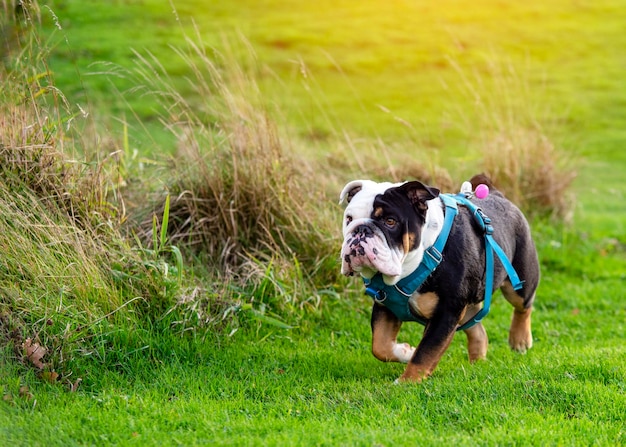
(403, 352)
(413, 374)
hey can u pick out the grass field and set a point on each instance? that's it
(146, 347)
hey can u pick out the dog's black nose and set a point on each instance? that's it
(361, 233)
(363, 230)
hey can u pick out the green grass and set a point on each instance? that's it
(318, 384)
(321, 386)
(155, 373)
(360, 57)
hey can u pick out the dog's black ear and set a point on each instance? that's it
(349, 191)
(419, 194)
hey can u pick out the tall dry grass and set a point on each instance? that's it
(241, 196)
(533, 173)
(66, 272)
(515, 147)
(45, 141)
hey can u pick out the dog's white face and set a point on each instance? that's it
(387, 226)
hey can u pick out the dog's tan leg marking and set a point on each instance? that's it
(438, 335)
(477, 342)
(424, 303)
(416, 372)
(520, 334)
(384, 344)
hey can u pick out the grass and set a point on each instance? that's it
(298, 390)
(254, 340)
(353, 72)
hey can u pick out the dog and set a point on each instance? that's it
(388, 229)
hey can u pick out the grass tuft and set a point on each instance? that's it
(66, 274)
(239, 196)
(517, 152)
(532, 173)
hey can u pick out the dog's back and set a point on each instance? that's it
(465, 251)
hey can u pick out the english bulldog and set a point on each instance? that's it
(387, 228)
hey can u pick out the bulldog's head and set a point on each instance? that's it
(387, 226)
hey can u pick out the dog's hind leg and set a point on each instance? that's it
(520, 334)
(477, 342)
(526, 265)
(385, 328)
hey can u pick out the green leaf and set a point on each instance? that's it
(272, 321)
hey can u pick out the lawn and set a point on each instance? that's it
(336, 64)
(396, 80)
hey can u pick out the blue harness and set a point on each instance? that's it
(396, 297)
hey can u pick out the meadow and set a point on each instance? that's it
(170, 229)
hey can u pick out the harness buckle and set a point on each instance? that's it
(434, 254)
(377, 295)
(483, 220)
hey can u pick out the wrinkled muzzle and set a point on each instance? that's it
(365, 248)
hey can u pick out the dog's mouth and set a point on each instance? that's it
(366, 251)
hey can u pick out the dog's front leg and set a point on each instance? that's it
(385, 328)
(438, 334)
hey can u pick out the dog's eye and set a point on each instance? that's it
(348, 219)
(390, 222)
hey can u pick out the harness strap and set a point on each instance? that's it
(482, 313)
(433, 255)
(485, 224)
